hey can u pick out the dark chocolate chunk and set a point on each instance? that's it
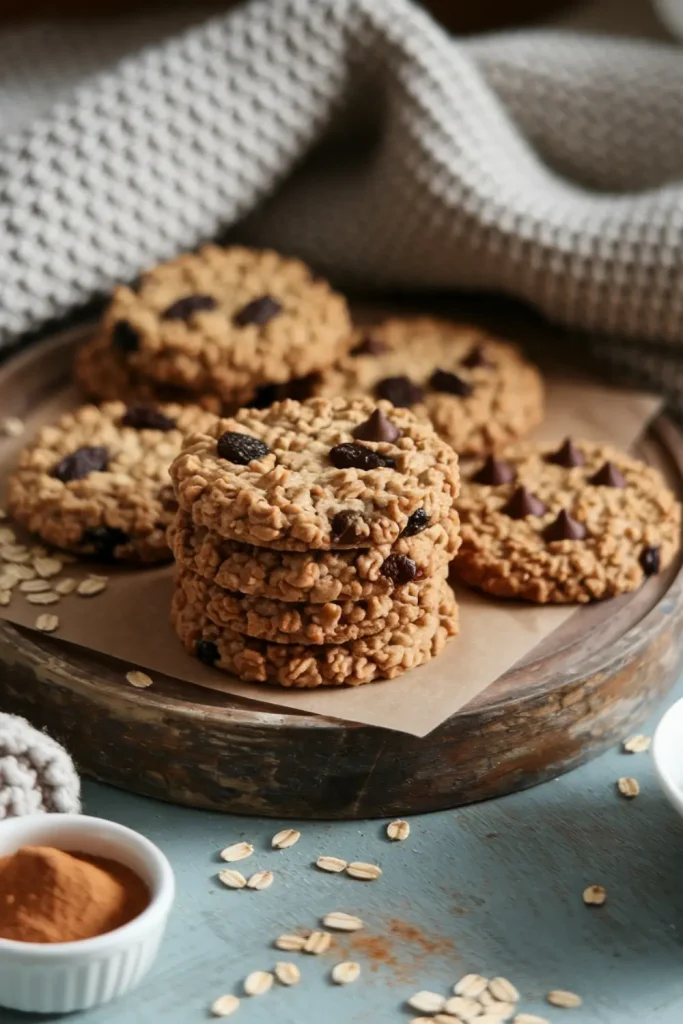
(240, 448)
(207, 652)
(357, 456)
(104, 540)
(183, 308)
(567, 455)
(81, 462)
(259, 311)
(442, 380)
(475, 357)
(401, 391)
(146, 417)
(369, 346)
(417, 522)
(650, 561)
(494, 472)
(377, 428)
(399, 569)
(124, 337)
(608, 476)
(347, 527)
(523, 503)
(565, 527)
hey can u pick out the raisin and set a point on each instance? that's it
(357, 456)
(399, 569)
(81, 462)
(104, 540)
(124, 337)
(650, 561)
(400, 391)
(442, 380)
(348, 527)
(183, 308)
(240, 448)
(259, 312)
(146, 417)
(417, 522)
(207, 652)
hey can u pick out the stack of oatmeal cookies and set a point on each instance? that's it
(313, 542)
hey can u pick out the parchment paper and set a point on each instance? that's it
(130, 619)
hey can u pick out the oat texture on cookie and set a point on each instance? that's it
(574, 523)
(479, 392)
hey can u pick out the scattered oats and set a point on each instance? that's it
(503, 990)
(3, 513)
(12, 426)
(334, 864)
(101, 579)
(47, 567)
(232, 879)
(565, 1000)
(8, 580)
(363, 872)
(472, 986)
(49, 597)
(500, 1011)
(261, 880)
(65, 586)
(637, 744)
(287, 973)
(5, 597)
(258, 982)
(20, 572)
(487, 1000)
(628, 787)
(290, 943)
(526, 1018)
(445, 1018)
(491, 1017)
(463, 1007)
(594, 895)
(283, 840)
(140, 680)
(16, 553)
(346, 972)
(341, 922)
(238, 851)
(47, 623)
(423, 1020)
(34, 586)
(398, 830)
(317, 943)
(90, 586)
(224, 1006)
(427, 1002)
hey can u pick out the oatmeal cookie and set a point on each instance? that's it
(316, 576)
(332, 622)
(382, 656)
(97, 482)
(576, 524)
(480, 393)
(228, 321)
(316, 475)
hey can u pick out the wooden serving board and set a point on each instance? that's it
(581, 691)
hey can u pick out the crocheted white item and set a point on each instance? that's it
(36, 773)
(544, 165)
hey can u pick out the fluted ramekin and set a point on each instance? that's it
(66, 976)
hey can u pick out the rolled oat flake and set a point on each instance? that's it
(224, 1006)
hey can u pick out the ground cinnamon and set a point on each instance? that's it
(48, 895)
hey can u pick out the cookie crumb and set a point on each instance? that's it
(594, 896)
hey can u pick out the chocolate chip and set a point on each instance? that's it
(81, 462)
(240, 448)
(348, 527)
(417, 522)
(475, 357)
(124, 337)
(494, 472)
(377, 428)
(369, 346)
(442, 380)
(565, 527)
(608, 476)
(357, 456)
(167, 499)
(650, 561)
(259, 311)
(146, 417)
(399, 569)
(523, 503)
(401, 391)
(104, 540)
(183, 308)
(207, 652)
(567, 455)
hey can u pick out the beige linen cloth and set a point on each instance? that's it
(546, 165)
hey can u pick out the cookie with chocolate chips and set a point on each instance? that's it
(575, 523)
(317, 475)
(227, 322)
(479, 392)
(97, 482)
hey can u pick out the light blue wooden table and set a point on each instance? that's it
(495, 888)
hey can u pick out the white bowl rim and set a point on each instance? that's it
(673, 792)
(160, 902)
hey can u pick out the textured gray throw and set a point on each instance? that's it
(358, 134)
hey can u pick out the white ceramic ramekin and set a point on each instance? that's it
(65, 976)
(667, 754)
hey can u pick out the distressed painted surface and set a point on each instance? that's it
(493, 888)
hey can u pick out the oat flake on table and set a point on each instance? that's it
(346, 972)
(238, 851)
(258, 982)
(363, 872)
(224, 1006)
(341, 922)
(317, 942)
(285, 839)
(563, 999)
(287, 973)
(288, 943)
(260, 880)
(637, 744)
(332, 864)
